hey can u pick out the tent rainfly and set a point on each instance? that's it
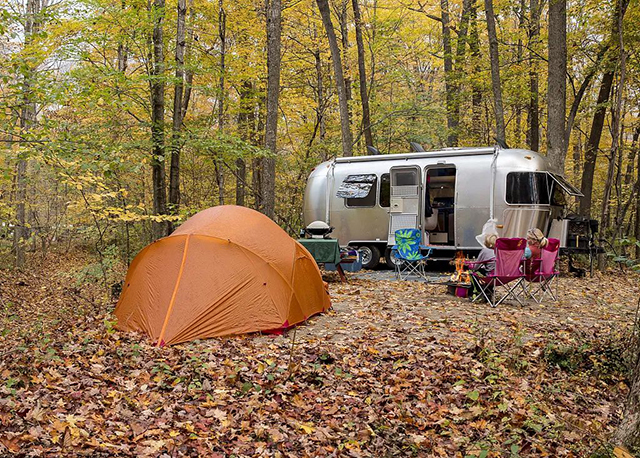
(227, 270)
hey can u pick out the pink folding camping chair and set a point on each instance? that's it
(506, 275)
(544, 275)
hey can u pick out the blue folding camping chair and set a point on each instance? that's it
(408, 253)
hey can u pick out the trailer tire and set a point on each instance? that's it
(389, 259)
(370, 256)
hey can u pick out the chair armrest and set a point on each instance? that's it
(476, 264)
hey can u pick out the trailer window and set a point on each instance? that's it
(359, 190)
(527, 188)
(385, 190)
(405, 178)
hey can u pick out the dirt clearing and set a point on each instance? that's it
(395, 369)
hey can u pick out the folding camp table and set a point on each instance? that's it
(325, 251)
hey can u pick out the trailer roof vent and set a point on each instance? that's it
(416, 147)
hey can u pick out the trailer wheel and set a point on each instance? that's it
(370, 256)
(389, 259)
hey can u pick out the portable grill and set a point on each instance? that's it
(318, 230)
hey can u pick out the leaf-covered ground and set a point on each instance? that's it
(395, 369)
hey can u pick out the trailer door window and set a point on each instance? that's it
(359, 190)
(385, 190)
(526, 188)
(405, 178)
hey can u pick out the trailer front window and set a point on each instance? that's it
(528, 188)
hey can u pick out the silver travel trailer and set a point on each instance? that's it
(447, 194)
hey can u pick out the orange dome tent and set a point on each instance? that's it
(227, 270)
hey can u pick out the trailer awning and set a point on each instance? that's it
(565, 185)
(356, 186)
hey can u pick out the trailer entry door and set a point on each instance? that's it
(404, 211)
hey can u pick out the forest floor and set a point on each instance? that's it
(394, 369)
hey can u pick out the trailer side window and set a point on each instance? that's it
(527, 188)
(359, 190)
(385, 190)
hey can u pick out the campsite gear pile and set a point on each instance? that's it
(350, 260)
(227, 270)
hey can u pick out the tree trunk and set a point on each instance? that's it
(619, 218)
(241, 171)
(533, 113)
(577, 152)
(593, 143)
(476, 90)
(616, 113)
(557, 85)
(581, 91)
(268, 178)
(178, 100)
(188, 73)
(222, 34)
(257, 163)
(628, 432)
(347, 147)
(495, 71)
(344, 35)
(27, 119)
(256, 182)
(157, 120)
(122, 48)
(371, 43)
(637, 231)
(519, 60)
(320, 102)
(362, 73)
(633, 151)
(463, 31)
(452, 137)
(246, 120)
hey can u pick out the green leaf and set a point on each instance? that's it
(473, 395)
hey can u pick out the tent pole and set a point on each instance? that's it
(160, 342)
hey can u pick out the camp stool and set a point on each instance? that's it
(408, 253)
(506, 276)
(543, 277)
